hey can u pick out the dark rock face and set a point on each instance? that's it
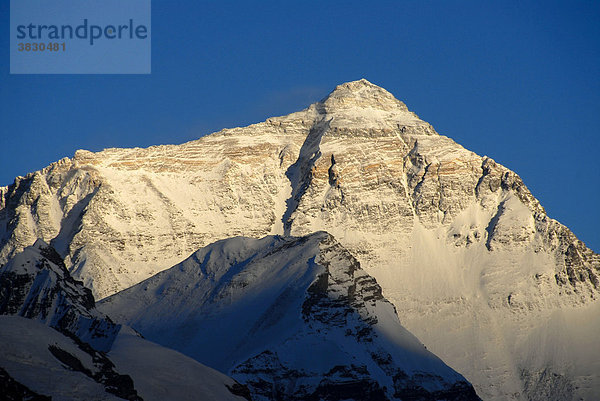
(240, 390)
(343, 299)
(36, 285)
(351, 389)
(457, 392)
(271, 380)
(340, 297)
(269, 376)
(104, 373)
(12, 390)
(339, 292)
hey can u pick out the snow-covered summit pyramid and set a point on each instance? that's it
(474, 266)
(362, 94)
(359, 105)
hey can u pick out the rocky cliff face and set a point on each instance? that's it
(35, 284)
(457, 242)
(54, 344)
(39, 363)
(292, 318)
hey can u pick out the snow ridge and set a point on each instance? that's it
(293, 318)
(55, 344)
(36, 284)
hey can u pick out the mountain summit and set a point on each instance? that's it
(362, 94)
(475, 267)
(363, 105)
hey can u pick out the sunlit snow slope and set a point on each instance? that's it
(474, 266)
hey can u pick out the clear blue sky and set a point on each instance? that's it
(517, 81)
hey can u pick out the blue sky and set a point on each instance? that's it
(517, 81)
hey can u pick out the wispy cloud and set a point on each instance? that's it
(289, 100)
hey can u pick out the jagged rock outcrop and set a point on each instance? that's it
(292, 318)
(455, 239)
(55, 344)
(13, 390)
(35, 284)
(40, 363)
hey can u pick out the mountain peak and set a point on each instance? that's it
(364, 106)
(362, 94)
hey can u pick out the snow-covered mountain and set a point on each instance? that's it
(292, 318)
(35, 284)
(474, 266)
(36, 360)
(54, 344)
